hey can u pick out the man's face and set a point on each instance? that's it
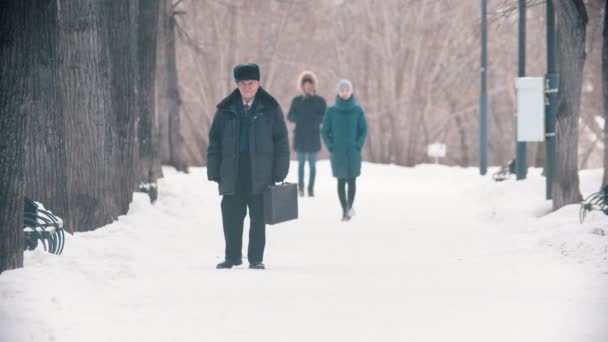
(345, 93)
(308, 88)
(248, 88)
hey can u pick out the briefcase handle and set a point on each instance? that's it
(281, 183)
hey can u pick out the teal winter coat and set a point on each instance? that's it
(344, 131)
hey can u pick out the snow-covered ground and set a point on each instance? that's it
(433, 254)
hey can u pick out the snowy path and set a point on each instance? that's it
(434, 254)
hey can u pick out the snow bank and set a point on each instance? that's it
(434, 254)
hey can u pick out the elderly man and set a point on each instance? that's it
(248, 151)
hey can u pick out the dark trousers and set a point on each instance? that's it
(345, 202)
(234, 210)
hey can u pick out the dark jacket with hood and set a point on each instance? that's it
(268, 146)
(307, 111)
(344, 132)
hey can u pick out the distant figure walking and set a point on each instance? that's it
(344, 132)
(307, 111)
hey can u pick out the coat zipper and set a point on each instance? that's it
(252, 136)
(237, 152)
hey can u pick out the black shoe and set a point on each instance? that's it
(228, 264)
(311, 192)
(257, 266)
(350, 212)
(345, 216)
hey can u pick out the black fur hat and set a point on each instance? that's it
(308, 79)
(244, 72)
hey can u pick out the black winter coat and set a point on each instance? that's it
(268, 144)
(307, 113)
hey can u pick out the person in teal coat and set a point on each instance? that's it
(344, 131)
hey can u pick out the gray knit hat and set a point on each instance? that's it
(344, 84)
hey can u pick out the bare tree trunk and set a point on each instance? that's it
(176, 140)
(464, 146)
(45, 158)
(605, 90)
(539, 158)
(121, 32)
(72, 66)
(150, 168)
(572, 22)
(94, 111)
(16, 42)
(586, 155)
(168, 101)
(81, 141)
(160, 86)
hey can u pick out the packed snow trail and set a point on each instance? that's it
(433, 254)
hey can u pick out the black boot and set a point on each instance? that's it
(345, 216)
(311, 192)
(257, 266)
(350, 212)
(228, 264)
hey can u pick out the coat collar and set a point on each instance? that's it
(345, 105)
(263, 100)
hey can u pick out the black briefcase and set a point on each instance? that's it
(281, 203)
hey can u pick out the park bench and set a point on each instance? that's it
(40, 226)
(595, 202)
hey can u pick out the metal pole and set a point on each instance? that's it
(521, 147)
(483, 99)
(552, 79)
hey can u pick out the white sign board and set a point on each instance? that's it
(436, 150)
(530, 109)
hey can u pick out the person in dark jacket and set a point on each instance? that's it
(306, 111)
(248, 151)
(344, 132)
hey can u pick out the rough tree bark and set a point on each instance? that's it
(86, 83)
(149, 160)
(171, 141)
(176, 140)
(15, 26)
(45, 158)
(73, 67)
(160, 86)
(572, 22)
(605, 90)
(121, 18)
(539, 158)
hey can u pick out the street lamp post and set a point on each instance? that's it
(551, 79)
(521, 147)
